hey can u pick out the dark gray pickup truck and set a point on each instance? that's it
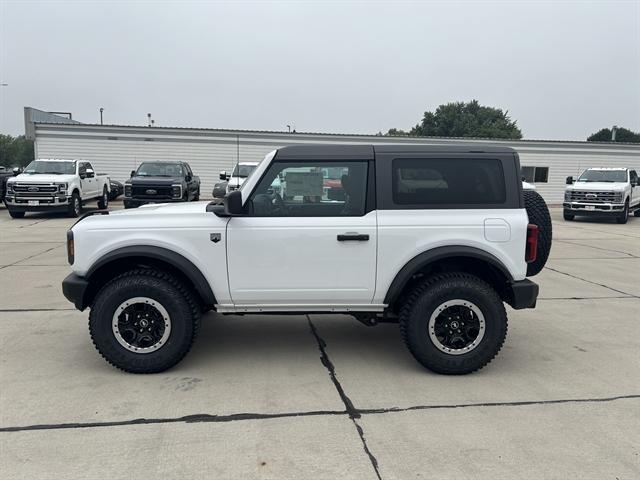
(161, 182)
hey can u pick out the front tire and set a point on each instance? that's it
(75, 205)
(144, 321)
(453, 323)
(624, 217)
(16, 214)
(103, 202)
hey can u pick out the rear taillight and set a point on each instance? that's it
(531, 251)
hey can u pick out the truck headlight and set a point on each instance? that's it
(176, 191)
(127, 190)
(9, 187)
(62, 187)
(71, 250)
(567, 195)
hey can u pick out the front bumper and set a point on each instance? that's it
(523, 294)
(44, 204)
(584, 208)
(135, 202)
(74, 288)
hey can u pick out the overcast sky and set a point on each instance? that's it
(562, 69)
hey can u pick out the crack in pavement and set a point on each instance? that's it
(351, 410)
(592, 282)
(597, 248)
(15, 264)
(586, 298)
(19, 310)
(207, 418)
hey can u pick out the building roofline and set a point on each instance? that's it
(346, 136)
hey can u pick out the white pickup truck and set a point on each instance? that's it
(48, 185)
(603, 191)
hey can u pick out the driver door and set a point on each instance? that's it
(309, 237)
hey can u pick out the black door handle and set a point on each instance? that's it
(358, 237)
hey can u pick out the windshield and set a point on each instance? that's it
(54, 168)
(159, 169)
(243, 171)
(603, 176)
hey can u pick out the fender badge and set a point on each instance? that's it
(215, 237)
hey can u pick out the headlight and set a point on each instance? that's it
(62, 187)
(9, 187)
(71, 250)
(567, 195)
(127, 190)
(177, 191)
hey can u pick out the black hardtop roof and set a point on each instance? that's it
(367, 152)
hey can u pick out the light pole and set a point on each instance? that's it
(101, 110)
(149, 118)
(289, 128)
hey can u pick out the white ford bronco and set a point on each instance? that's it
(48, 185)
(613, 192)
(435, 238)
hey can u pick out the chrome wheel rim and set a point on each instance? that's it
(76, 205)
(141, 325)
(456, 327)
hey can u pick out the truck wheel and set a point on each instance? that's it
(637, 212)
(453, 323)
(75, 205)
(538, 215)
(568, 216)
(625, 214)
(103, 202)
(16, 214)
(144, 321)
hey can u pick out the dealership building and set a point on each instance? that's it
(118, 149)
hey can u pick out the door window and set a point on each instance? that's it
(311, 189)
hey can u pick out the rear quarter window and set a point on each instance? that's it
(448, 181)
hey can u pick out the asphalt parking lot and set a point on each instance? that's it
(324, 396)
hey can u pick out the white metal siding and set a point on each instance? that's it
(118, 150)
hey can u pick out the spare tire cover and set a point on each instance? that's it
(538, 215)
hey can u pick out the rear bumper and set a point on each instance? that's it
(523, 294)
(74, 288)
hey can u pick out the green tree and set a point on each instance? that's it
(471, 119)
(622, 135)
(15, 151)
(460, 119)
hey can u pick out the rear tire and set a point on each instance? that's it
(16, 214)
(568, 216)
(539, 215)
(116, 326)
(428, 311)
(624, 217)
(103, 202)
(75, 206)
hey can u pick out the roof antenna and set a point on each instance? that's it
(238, 161)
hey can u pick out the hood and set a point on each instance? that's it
(182, 208)
(164, 181)
(597, 186)
(42, 178)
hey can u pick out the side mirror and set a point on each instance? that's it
(233, 203)
(16, 171)
(133, 173)
(569, 180)
(224, 175)
(90, 173)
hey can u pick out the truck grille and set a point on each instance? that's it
(32, 189)
(595, 197)
(152, 192)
